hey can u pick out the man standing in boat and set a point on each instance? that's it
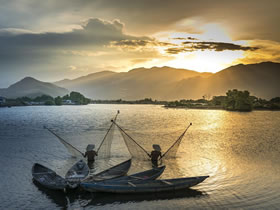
(90, 154)
(155, 154)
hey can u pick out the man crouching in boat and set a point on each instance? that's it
(155, 154)
(90, 154)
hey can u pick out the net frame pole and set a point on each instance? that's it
(107, 132)
(179, 138)
(63, 140)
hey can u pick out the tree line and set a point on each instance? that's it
(234, 100)
(75, 98)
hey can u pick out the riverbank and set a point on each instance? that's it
(218, 108)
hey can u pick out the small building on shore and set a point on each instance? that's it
(37, 103)
(2, 100)
(68, 102)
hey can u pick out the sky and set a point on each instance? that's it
(53, 40)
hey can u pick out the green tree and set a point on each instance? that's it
(238, 100)
(43, 98)
(275, 100)
(78, 98)
(66, 97)
(49, 102)
(58, 101)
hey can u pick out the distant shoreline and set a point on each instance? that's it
(163, 106)
(234, 100)
(218, 108)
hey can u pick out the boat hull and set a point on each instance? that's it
(77, 173)
(147, 186)
(111, 173)
(47, 178)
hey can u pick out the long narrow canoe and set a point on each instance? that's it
(113, 172)
(140, 177)
(147, 186)
(77, 172)
(135, 178)
(47, 177)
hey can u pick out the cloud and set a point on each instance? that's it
(72, 68)
(23, 52)
(94, 32)
(84, 53)
(183, 38)
(216, 46)
(136, 44)
(268, 51)
(147, 17)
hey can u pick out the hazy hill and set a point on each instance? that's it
(136, 84)
(31, 87)
(261, 80)
(163, 83)
(167, 83)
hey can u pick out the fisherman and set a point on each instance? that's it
(90, 154)
(155, 154)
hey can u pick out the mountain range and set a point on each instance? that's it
(161, 83)
(166, 83)
(31, 87)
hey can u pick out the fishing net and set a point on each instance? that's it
(104, 150)
(138, 152)
(74, 152)
(135, 149)
(172, 151)
(71, 149)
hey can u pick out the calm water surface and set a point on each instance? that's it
(240, 152)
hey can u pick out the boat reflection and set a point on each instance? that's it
(85, 199)
(109, 198)
(56, 196)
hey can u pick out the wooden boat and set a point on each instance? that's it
(135, 178)
(141, 176)
(77, 172)
(113, 172)
(147, 186)
(48, 178)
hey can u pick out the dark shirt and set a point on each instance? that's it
(90, 155)
(155, 155)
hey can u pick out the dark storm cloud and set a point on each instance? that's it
(216, 46)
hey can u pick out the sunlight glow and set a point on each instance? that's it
(201, 60)
(205, 61)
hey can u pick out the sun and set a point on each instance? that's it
(202, 60)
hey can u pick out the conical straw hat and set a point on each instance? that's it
(90, 147)
(156, 147)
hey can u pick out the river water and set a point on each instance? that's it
(239, 151)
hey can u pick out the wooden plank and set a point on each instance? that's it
(135, 177)
(42, 173)
(166, 182)
(133, 185)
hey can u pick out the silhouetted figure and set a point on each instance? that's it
(155, 155)
(90, 154)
